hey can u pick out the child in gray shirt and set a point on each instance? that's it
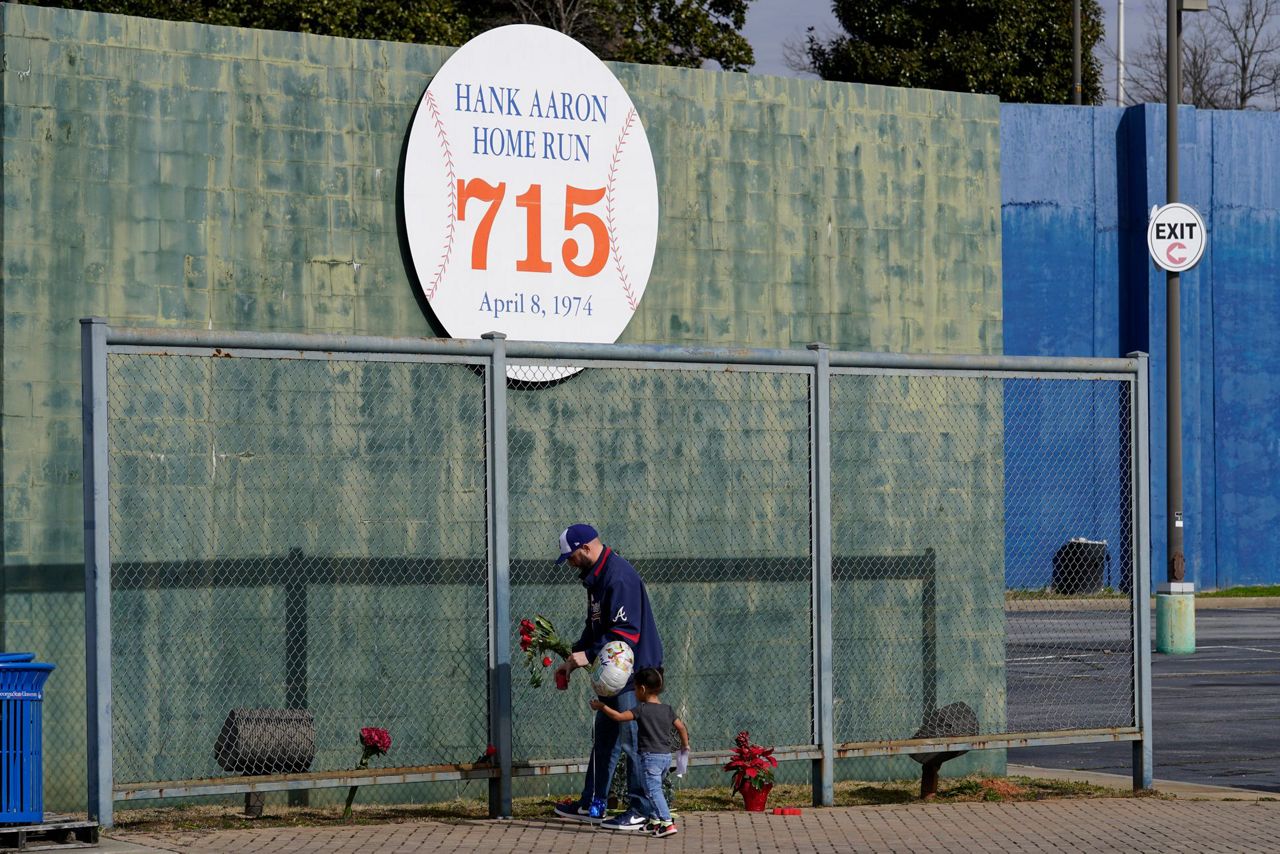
(654, 720)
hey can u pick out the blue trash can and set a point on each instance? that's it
(21, 753)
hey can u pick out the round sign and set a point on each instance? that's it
(1176, 237)
(529, 193)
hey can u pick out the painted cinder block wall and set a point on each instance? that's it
(1077, 186)
(188, 176)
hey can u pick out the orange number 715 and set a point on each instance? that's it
(531, 201)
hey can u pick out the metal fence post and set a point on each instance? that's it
(1143, 758)
(97, 567)
(820, 483)
(499, 576)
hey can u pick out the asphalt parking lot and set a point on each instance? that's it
(1216, 712)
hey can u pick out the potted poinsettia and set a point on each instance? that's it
(752, 768)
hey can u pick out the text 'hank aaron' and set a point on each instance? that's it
(506, 101)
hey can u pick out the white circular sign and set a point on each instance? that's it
(530, 198)
(1176, 237)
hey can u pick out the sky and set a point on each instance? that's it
(772, 23)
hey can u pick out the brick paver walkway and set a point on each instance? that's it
(1128, 825)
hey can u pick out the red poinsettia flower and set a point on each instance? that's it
(750, 763)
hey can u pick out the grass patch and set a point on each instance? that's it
(849, 793)
(1240, 592)
(1046, 594)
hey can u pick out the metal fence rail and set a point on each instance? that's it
(289, 537)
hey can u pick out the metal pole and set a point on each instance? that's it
(823, 690)
(1120, 57)
(97, 568)
(1140, 585)
(499, 577)
(1075, 52)
(1173, 337)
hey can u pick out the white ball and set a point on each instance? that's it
(612, 668)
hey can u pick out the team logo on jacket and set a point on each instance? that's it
(621, 616)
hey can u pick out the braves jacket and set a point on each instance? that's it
(618, 609)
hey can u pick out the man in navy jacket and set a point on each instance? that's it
(617, 609)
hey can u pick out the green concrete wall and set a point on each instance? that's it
(178, 175)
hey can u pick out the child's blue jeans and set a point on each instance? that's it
(655, 765)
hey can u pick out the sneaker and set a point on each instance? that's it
(627, 821)
(666, 828)
(575, 811)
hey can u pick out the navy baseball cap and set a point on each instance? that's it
(573, 538)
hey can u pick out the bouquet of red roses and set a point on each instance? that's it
(537, 638)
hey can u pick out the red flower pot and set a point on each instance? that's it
(754, 798)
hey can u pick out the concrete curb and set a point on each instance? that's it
(122, 846)
(1164, 787)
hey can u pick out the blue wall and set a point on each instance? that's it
(1077, 186)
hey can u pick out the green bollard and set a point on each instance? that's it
(1176, 618)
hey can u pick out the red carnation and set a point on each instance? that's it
(375, 742)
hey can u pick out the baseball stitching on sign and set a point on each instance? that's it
(618, 264)
(453, 196)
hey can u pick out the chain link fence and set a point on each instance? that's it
(308, 536)
(294, 534)
(701, 479)
(973, 518)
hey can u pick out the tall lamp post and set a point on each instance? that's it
(1075, 52)
(1120, 55)
(1175, 602)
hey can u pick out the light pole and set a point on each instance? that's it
(1175, 600)
(1120, 56)
(1075, 52)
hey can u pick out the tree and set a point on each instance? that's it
(422, 21)
(1019, 50)
(1230, 57)
(685, 33)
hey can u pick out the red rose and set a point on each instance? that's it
(546, 661)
